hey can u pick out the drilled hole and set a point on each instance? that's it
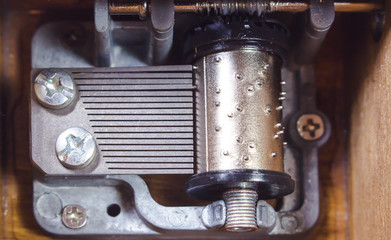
(113, 210)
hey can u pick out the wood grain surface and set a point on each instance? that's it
(18, 24)
(370, 145)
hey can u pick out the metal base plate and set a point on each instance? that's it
(140, 214)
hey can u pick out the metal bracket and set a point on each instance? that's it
(320, 17)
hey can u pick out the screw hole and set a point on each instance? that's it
(113, 210)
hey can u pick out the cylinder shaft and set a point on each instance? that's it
(218, 7)
(357, 6)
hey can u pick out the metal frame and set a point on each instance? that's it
(296, 217)
(141, 215)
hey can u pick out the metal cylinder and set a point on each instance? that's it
(239, 117)
(241, 210)
(240, 94)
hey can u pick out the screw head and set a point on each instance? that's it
(74, 216)
(54, 88)
(310, 127)
(75, 148)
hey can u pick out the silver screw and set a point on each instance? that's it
(54, 88)
(74, 216)
(310, 127)
(241, 207)
(75, 148)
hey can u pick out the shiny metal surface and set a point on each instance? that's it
(54, 88)
(74, 216)
(141, 119)
(239, 91)
(241, 210)
(214, 214)
(214, 7)
(358, 6)
(144, 221)
(75, 148)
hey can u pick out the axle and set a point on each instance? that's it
(228, 7)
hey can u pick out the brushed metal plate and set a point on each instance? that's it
(141, 119)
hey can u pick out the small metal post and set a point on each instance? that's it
(103, 37)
